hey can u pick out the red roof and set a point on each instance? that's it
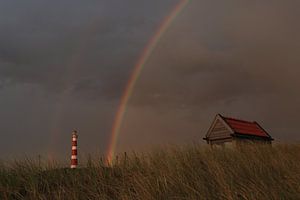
(246, 127)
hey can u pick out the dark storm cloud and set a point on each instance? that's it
(259, 48)
(64, 64)
(41, 40)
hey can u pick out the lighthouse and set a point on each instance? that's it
(74, 159)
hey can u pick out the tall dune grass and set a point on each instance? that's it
(190, 172)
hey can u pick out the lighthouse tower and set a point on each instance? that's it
(74, 160)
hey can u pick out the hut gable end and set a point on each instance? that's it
(219, 130)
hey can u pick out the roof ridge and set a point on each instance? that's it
(241, 120)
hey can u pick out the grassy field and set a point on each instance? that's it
(190, 172)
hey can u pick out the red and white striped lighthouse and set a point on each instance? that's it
(74, 160)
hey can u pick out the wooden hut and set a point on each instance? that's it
(229, 131)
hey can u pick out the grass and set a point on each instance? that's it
(190, 172)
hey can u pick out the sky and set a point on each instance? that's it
(65, 64)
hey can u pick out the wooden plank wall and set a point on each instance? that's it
(221, 141)
(219, 132)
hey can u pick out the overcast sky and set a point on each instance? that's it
(64, 65)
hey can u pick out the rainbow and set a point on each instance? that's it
(146, 53)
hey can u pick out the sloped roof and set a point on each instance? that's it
(243, 127)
